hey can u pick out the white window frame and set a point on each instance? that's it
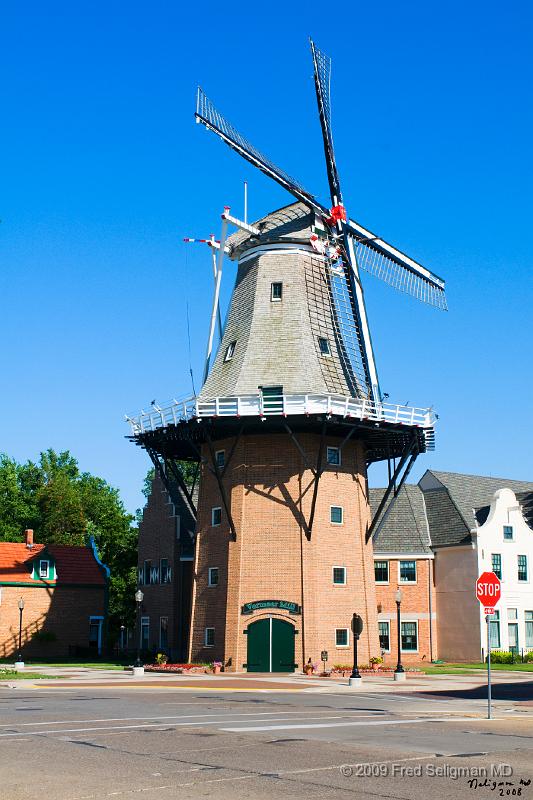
(41, 570)
(230, 350)
(209, 581)
(410, 622)
(512, 533)
(342, 515)
(213, 523)
(387, 562)
(206, 636)
(342, 646)
(407, 583)
(324, 353)
(276, 299)
(501, 564)
(334, 582)
(223, 459)
(387, 623)
(338, 451)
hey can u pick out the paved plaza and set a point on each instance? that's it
(89, 735)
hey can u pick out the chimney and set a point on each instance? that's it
(28, 537)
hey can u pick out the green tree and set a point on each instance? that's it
(66, 506)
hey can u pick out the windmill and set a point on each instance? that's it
(290, 402)
(351, 246)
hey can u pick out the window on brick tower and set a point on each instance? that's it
(212, 576)
(339, 576)
(216, 516)
(164, 572)
(342, 638)
(163, 633)
(333, 456)
(220, 457)
(336, 515)
(145, 633)
(209, 637)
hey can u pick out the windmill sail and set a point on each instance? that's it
(207, 114)
(381, 259)
(322, 70)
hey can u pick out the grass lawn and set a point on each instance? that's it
(465, 669)
(73, 664)
(15, 675)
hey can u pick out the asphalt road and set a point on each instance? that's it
(130, 742)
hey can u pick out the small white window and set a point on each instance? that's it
(212, 579)
(339, 576)
(220, 458)
(323, 346)
(209, 637)
(230, 350)
(342, 637)
(508, 535)
(276, 292)
(43, 569)
(216, 516)
(336, 515)
(333, 456)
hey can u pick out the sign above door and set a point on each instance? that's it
(259, 605)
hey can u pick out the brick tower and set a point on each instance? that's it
(289, 417)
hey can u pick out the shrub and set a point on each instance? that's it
(529, 655)
(161, 658)
(502, 657)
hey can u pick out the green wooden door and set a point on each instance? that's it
(270, 646)
(258, 655)
(282, 646)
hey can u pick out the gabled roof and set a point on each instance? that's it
(405, 528)
(74, 565)
(452, 499)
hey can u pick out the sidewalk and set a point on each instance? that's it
(511, 683)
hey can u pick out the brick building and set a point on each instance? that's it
(165, 568)
(64, 590)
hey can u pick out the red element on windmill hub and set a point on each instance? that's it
(337, 213)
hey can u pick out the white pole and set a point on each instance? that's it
(214, 260)
(216, 296)
(489, 715)
(246, 201)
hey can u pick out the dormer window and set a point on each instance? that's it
(44, 569)
(230, 350)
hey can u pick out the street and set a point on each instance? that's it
(117, 738)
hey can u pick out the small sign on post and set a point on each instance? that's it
(488, 592)
(324, 658)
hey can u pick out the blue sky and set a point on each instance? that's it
(103, 172)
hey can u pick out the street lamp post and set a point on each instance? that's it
(357, 628)
(20, 663)
(399, 672)
(138, 668)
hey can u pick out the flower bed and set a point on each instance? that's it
(177, 668)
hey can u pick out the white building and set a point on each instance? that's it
(503, 543)
(480, 524)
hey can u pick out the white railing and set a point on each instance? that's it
(257, 405)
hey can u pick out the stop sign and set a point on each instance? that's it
(488, 589)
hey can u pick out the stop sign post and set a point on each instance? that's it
(488, 592)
